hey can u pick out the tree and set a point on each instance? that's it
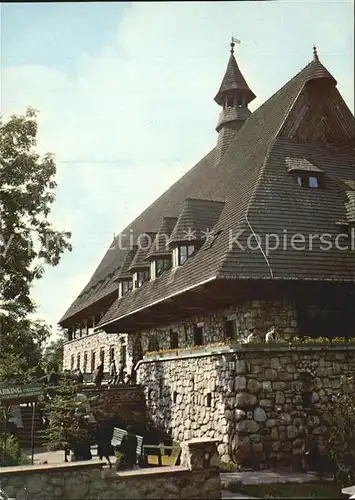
(53, 354)
(28, 239)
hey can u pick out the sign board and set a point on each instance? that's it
(26, 391)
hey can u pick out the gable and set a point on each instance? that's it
(319, 115)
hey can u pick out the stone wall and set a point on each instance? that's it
(94, 343)
(258, 314)
(253, 399)
(197, 477)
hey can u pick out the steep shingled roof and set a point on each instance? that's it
(252, 177)
(233, 79)
(139, 260)
(196, 219)
(124, 271)
(263, 199)
(160, 245)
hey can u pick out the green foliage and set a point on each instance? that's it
(53, 355)
(13, 452)
(228, 467)
(340, 422)
(62, 409)
(28, 240)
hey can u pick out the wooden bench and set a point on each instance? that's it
(172, 459)
(117, 440)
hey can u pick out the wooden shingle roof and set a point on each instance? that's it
(261, 197)
(144, 244)
(233, 80)
(160, 246)
(196, 220)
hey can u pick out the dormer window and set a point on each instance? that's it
(126, 285)
(311, 181)
(184, 252)
(162, 265)
(140, 277)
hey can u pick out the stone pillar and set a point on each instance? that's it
(200, 455)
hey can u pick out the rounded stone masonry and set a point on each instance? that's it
(247, 397)
(200, 454)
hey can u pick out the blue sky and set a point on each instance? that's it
(125, 93)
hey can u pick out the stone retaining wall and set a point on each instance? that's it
(198, 477)
(254, 399)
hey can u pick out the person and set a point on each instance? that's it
(128, 448)
(98, 375)
(121, 373)
(81, 441)
(151, 439)
(79, 376)
(113, 372)
(104, 435)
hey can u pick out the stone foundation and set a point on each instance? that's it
(198, 477)
(253, 399)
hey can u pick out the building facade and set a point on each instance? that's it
(259, 233)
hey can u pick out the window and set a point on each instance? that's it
(78, 361)
(72, 361)
(127, 285)
(313, 182)
(174, 339)
(185, 252)
(229, 102)
(198, 335)
(112, 354)
(102, 355)
(230, 328)
(161, 265)
(174, 397)
(310, 181)
(85, 365)
(141, 277)
(209, 400)
(70, 334)
(93, 360)
(123, 354)
(153, 344)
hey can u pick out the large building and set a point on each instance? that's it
(259, 232)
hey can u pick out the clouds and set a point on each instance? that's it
(127, 118)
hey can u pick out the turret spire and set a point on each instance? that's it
(234, 95)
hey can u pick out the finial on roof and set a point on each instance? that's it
(233, 42)
(315, 54)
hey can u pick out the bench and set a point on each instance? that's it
(172, 459)
(117, 440)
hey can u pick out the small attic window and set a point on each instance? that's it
(185, 252)
(311, 181)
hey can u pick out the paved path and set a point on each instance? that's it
(266, 477)
(228, 495)
(42, 456)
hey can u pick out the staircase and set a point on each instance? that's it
(24, 433)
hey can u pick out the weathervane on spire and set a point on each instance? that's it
(233, 42)
(315, 54)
